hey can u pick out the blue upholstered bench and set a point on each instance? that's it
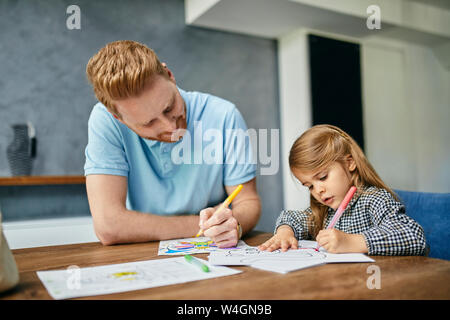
(432, 212)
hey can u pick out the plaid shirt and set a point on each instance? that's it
(376, 215)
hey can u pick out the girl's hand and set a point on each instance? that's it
(336, 241)
(284, 238)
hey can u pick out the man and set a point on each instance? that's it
(138, 189)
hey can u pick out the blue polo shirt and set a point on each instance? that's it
(175, 178)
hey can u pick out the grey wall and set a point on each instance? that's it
(42, 67)
(43, 202)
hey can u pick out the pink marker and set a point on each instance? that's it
(341, 208)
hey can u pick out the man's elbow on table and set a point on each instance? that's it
(106, 236)
(106, 232)
(107, 196)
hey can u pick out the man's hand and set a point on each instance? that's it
(336, 241)
(221, 226)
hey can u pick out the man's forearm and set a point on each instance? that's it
(132, 226)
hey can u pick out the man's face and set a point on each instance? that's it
(158, 113)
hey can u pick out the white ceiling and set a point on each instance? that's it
(443, 4)
(275, 18)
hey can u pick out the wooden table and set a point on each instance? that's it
(409, 277)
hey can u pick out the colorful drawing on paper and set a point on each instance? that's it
(192, 246)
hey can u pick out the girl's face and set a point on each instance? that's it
(330, 185)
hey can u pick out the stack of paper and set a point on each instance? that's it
(304, 257)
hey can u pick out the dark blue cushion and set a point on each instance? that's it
(432, 212)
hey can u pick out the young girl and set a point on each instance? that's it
(328, 161)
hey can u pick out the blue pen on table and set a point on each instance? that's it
(196, 262)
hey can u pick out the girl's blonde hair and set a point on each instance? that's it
(320, 146)
(121, 70)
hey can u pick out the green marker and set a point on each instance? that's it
(196, 262)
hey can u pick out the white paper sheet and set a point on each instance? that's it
(253, 255)
(281, 267)
(304, 257)
(347, 258)
(90, 281)
(176, 247)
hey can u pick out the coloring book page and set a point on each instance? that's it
(304, 257)
(192, 246)
(91, 281)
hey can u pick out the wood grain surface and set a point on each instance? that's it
(402, 277)
(41, 180)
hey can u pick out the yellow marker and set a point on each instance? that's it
(225, 204)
